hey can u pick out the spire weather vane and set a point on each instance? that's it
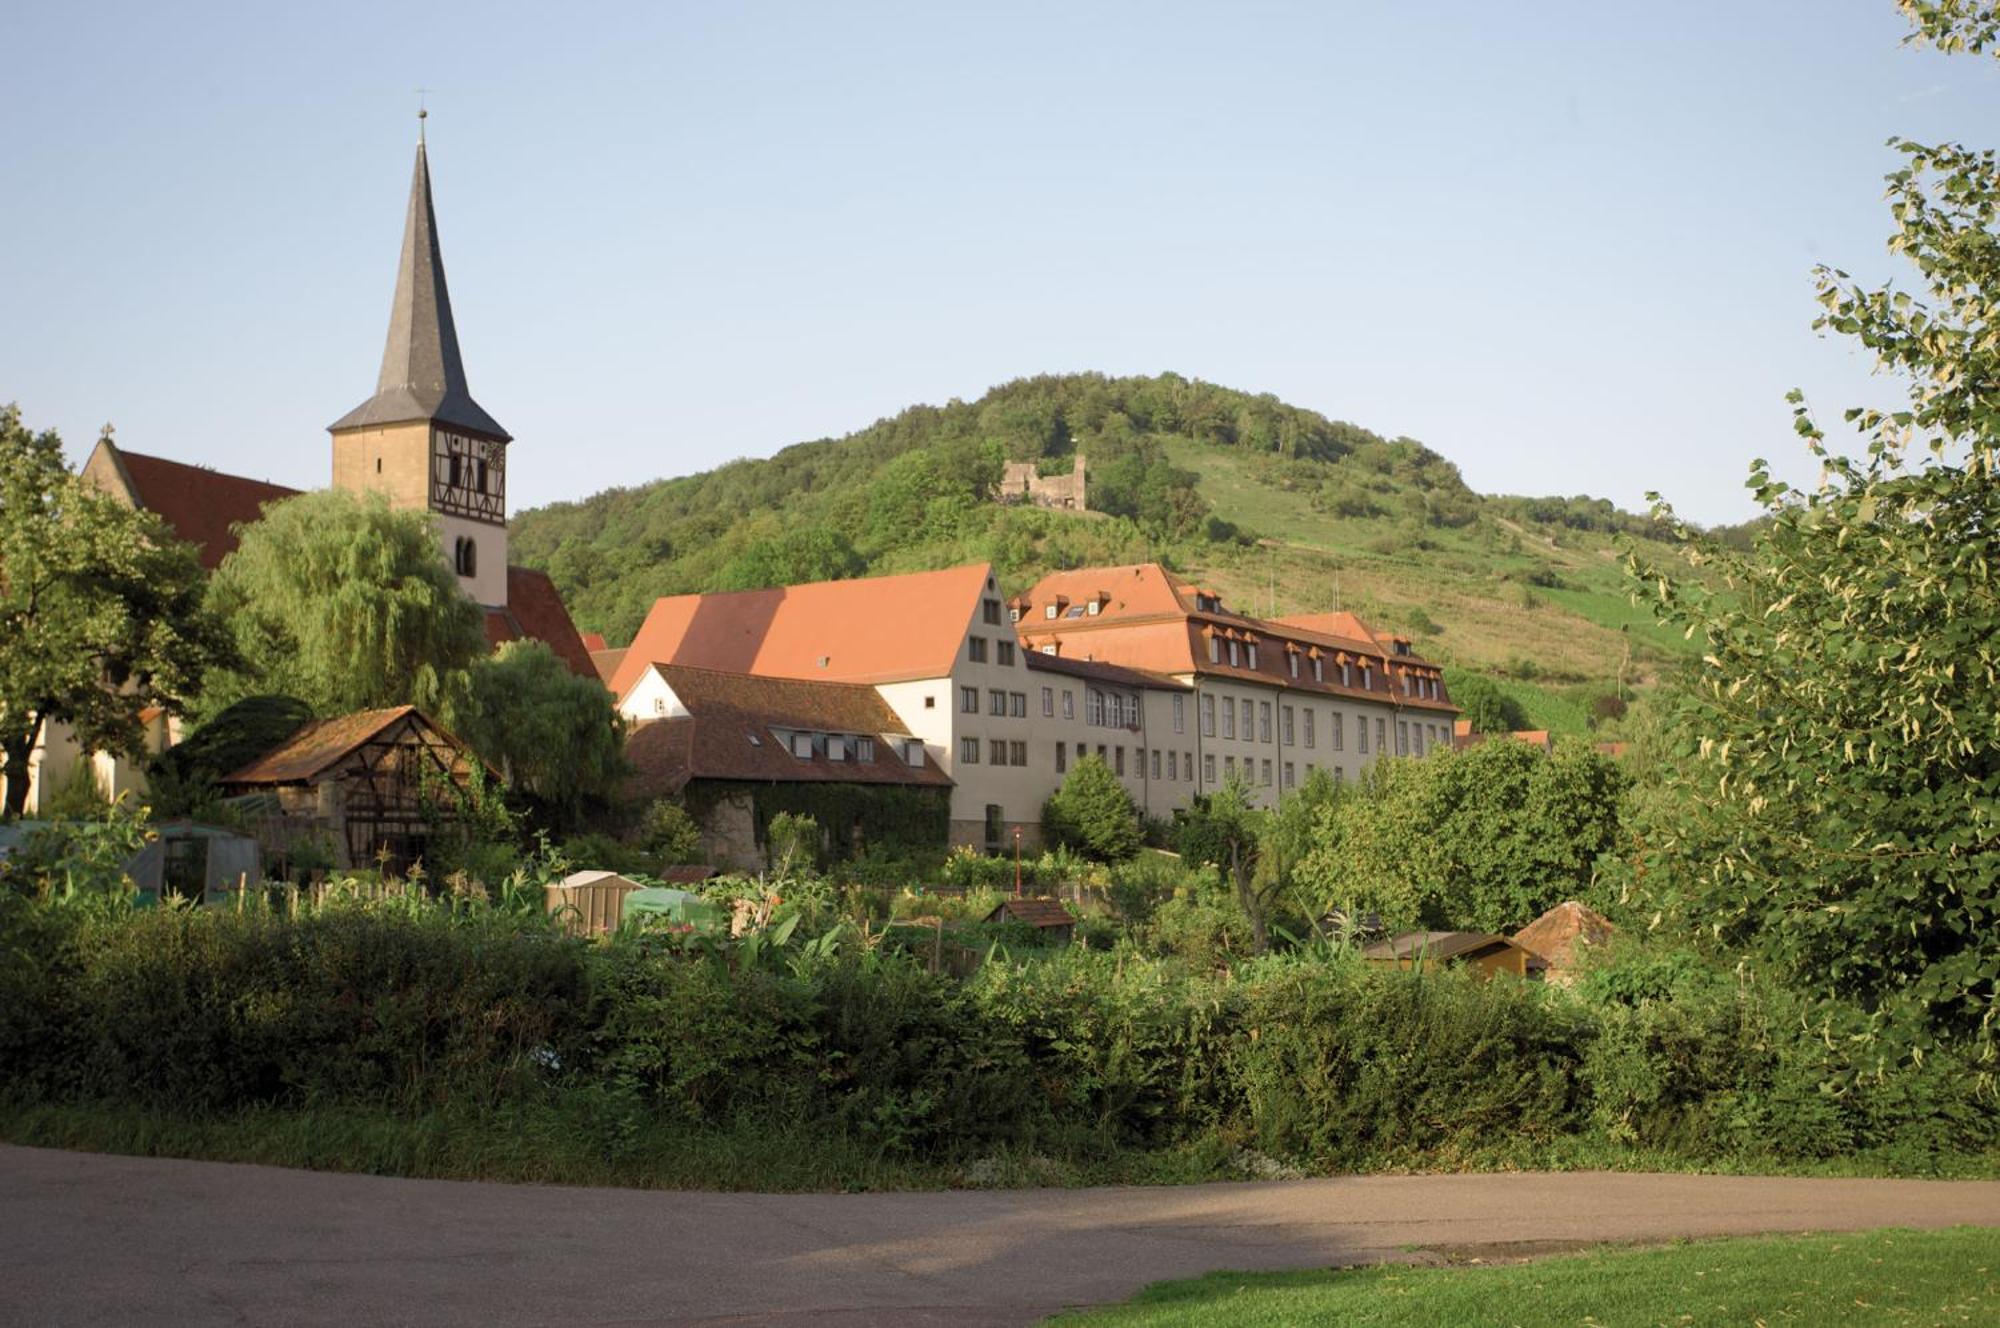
(422, 113)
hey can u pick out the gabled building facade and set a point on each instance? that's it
(1272, 699)
(1129, 664)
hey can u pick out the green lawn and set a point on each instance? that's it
(1877, 1277)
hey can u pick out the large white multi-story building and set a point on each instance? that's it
(1174, 691)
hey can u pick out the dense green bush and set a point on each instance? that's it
(1092, 813)
(206, 1010)
(1486, 838)
(412, 1007)
(1342, 1064)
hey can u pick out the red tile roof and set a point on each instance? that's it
(871, 629)
(200, 504)
(606, 662)
(1151, 620)
(1117, 674)
(1034, 912)
(1556, 934)
(319, 745)
(593, 641)
(534, 610)
(729, 733)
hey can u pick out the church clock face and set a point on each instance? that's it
(469, 476)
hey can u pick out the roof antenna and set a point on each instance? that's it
(422, 114)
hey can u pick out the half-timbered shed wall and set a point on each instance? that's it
(377, 782)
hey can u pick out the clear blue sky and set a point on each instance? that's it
(1568, 245)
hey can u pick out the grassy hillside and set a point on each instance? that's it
(1280, 507)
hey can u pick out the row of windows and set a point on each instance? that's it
(999, 751)
(1243, 654)
(998, 703)
(1165, 764)
(1003, 651)
(1253, 719)
(809, 746)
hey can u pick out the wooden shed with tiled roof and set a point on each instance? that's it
(1048, 917)
(1483, 952)
(369, 781)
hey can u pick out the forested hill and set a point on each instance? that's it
(1279, 505)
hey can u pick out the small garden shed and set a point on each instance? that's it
(589, 902)
(1048, 917)
(1483, 952)
(378, 783)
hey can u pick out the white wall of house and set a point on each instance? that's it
(53, 763)
(651, 698)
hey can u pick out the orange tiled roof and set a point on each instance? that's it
(200, 504)
(1147, 618)
(729, 733)
(870, 629)
(593, 641)
(535, 611)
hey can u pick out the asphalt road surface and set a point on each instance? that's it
(93, 1240)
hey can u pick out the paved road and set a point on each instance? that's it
(93, 1240)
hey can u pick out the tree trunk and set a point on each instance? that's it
(18, 748)
(1260, 935)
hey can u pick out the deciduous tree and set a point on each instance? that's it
(345, 603)
(554, 735)
(1093, 812)
(100, 610)
(1485, 838)
(1839, 823)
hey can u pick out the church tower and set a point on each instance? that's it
(422, 439)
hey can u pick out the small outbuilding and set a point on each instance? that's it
(1483, 952)
(369, 781)
(190, 860)
(589, 902)
(1564, 935)
(1052, 922)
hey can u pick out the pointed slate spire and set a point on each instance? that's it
(422, 375)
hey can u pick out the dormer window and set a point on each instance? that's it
(1292, 660)
(836, 748)
(1214, 651)
(1319, 669)
(1367, 677)
(1049, 612)
(1235, 655)
(802, 746)
(1346, 674)
(913, 751)
(1252, 650)
(864, 749)
(1093, 607)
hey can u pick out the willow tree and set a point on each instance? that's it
(1837, 821)
(100, 610)
(345, 603)
(553, 734)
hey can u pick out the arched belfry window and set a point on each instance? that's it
(466, 556)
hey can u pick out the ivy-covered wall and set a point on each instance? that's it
(850, 816)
